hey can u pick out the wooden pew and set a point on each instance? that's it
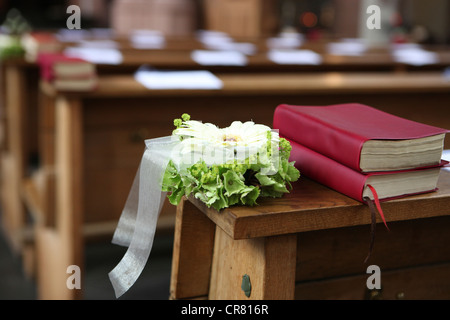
(92, 142)
(311, 245)
(176, 53)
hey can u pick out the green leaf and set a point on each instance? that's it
(292, 173)
(233, 199)
(264, 180)
(233, 183)
(250, 197)
(201, 196)
(189, 183)
(221, 202)
(176, 195)
(269, 193)
(171, 178)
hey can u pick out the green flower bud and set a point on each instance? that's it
(186, 117)
(177, 123)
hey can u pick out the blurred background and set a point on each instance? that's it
(421, 21)
(425, 23)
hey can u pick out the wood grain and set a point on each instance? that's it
(311, 206)
(192, 253)
(430, 282)
(69, 178)
(17, 143)
(341, 251)
(268, 262)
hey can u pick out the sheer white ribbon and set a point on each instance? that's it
(137, 224)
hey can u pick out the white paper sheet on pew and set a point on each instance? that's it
(101, 44)
(306, 57)
(217, 40)
(285, 41)
(191, 80)
(75, 35)
(246, 48)
(212, 38)
(219, 58)
(96, 55)
(414, 55)
(347, 47)
(147, 39)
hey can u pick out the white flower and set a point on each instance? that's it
(200, 130)
(217, 146)
(7, 41)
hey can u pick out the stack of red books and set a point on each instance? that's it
(68, 73)
(361, 151)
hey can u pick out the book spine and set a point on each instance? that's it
(342, 146)
(327, 171)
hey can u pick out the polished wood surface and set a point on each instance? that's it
(280, 83)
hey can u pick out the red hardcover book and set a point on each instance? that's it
(354, 184)
(59, 66)
(362, 138)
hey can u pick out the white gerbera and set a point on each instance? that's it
(198, 130)
(216, 146)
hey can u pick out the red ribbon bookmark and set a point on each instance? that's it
(377, 203)
(370, 203)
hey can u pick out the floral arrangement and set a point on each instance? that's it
(10, 32)
(230, 166)
(10, 47)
